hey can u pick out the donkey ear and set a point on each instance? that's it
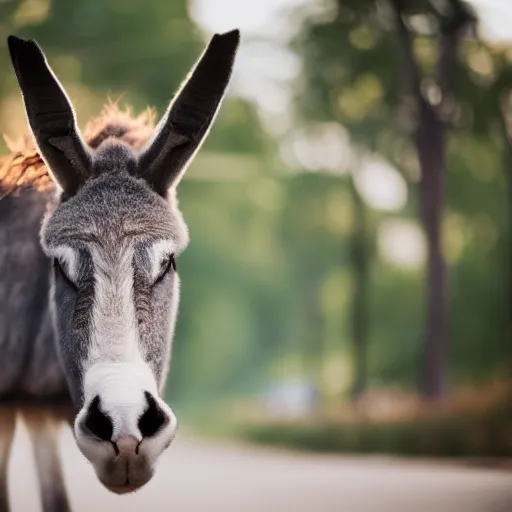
(50, 116)
(189, 117)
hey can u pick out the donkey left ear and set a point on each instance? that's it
(50, 116)
(189, 117)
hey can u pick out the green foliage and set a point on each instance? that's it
(246, 280)
(120, 46)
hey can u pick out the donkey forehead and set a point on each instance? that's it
(110, 209)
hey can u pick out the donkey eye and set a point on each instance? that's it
(168, 263)
(60, 269)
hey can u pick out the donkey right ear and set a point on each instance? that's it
(50, 116)
(190, 115)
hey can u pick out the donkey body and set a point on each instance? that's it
(32, 381)
(88, 301)
(30, 367)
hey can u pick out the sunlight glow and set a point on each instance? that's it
(401, 243)
(275, 19)
(495, 19)
(320, 147)
(266, 68)
(380, 185)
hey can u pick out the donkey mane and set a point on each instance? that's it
(24, 168)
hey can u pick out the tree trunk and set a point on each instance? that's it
(430, 145)
(506, 126)
(509, 262)
(430, 142)
(358, 323)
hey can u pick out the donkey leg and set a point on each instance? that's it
(7, 427)
(43, 432)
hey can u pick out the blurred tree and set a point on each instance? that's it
(350, 57)
(360, 263)
(505, 98)
(340, 82)
(313, 245)
(429, 135)
(503, 94)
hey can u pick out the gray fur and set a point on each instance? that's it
(27, 337)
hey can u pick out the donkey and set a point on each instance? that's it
(88, 308)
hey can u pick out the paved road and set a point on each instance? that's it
(197, 476)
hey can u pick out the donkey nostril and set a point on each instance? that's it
(98, 422)
(153, 418)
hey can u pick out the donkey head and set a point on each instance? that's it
(114, 237)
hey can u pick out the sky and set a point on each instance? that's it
(265, 67)
(266, 17)
(495, 19)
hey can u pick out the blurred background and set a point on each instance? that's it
(348, 283)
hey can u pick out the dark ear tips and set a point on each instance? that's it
(224, 46)
(15, 45)
(214, 69)
(28, 60)
(25, 48)
(231, 38)
(14, 41)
